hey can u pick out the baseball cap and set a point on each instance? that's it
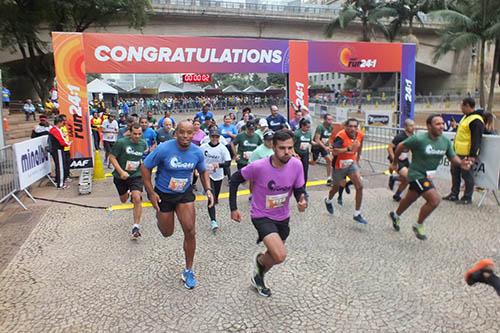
(263, 122)
(214, 131)
(269, 135)
(250, 125)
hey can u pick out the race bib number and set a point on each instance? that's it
(276, 201)
(246, 155)
(430, 174)
(346, 163)
(132, 165)
(304, 146)
(177, 184)
(403, 156)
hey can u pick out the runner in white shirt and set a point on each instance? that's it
(217, 157)
(110, 130)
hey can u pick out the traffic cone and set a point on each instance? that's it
(98, 167)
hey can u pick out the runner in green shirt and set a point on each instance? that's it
(427, 150)
(247, 142)
(265, 149)
(302, 142)
(321, 145)
(126, 157)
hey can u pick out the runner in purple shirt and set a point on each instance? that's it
(274, 179)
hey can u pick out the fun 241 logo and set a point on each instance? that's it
(348, 60)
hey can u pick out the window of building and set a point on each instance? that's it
(340, 86)
(328, 76)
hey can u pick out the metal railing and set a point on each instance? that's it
(9, 184)
(375, 143)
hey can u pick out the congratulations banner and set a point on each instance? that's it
(346, 57)
(72, 93)
(112, 53)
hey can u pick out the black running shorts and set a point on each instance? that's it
(130, 184)
(266, 226)
(108, 145)
(170, 200)
(403, 164)
(421, 185)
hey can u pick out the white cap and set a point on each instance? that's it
(263, 122)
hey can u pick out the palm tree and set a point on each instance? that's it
(368, 12)
(470, 22)
(407, 12)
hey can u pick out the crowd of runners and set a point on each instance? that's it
(272, 156)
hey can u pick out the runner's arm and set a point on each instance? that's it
(399, 149)
(146, 178)
(225, 164)
(297, 192)
(115, 164)
(360, 149)
(390, 151)
(317, 140)
(236, 180)
(337, 146)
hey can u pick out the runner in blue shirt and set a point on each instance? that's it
(276, 121)
(175, 161)
(204, 113)
(229, 132)
(148, 134)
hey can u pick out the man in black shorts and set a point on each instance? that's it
(274, 179)
(126, 157)
(427, 151)
(176, 160)
(403, 162)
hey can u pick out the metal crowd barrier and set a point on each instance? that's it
(376, 140)
(9, 184)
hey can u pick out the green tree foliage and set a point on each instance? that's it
(22, 20)
(276, 79)
(471, 23)
(368, 12)
(406, 12)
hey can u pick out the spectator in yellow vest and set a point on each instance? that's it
(467, 144)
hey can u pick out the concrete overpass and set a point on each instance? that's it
(233, 18)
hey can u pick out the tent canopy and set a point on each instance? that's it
(252, 90)
(100, 87)
(231, 90)
(166, 87)
(118, 88)
(190, 88)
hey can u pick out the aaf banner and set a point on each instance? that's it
(298, 79)
(487, 166)
(72, 90)
(113, 53)
(32, 159)
(407, 83)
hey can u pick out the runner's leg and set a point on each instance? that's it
(137, 201)
(215, 185)
(276, 251)
(410, 197)
(432, 199)
(403, 173)
(328, 160)
(165, 222)
(358, 185)
(186, 214)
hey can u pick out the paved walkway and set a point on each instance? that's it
(78, 271)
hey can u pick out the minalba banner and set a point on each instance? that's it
(32, 159)
(487, 166)
(72, 90)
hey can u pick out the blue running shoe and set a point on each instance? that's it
(136, 233)
(360, 219)
(329, 207)
(189, 279)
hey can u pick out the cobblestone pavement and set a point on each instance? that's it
(78, 271)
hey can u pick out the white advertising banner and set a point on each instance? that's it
(378, 118)
(487, 166)
(33, 161)
(341, 114)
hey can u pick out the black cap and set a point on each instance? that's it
(214, 131)
(250, 125)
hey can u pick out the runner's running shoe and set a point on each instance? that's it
(136, 233)
(258, 283)
(340, 201)
(396, 198)
(395, 220)
(419, 231)
(189, 279)
(329, 207)
(214, 225)
(392, 181)
(475, 274)
(329, 182)
(450, 197)
(360, 219)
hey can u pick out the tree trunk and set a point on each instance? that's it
(481, 75)
(494, 71)
(410, 26)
